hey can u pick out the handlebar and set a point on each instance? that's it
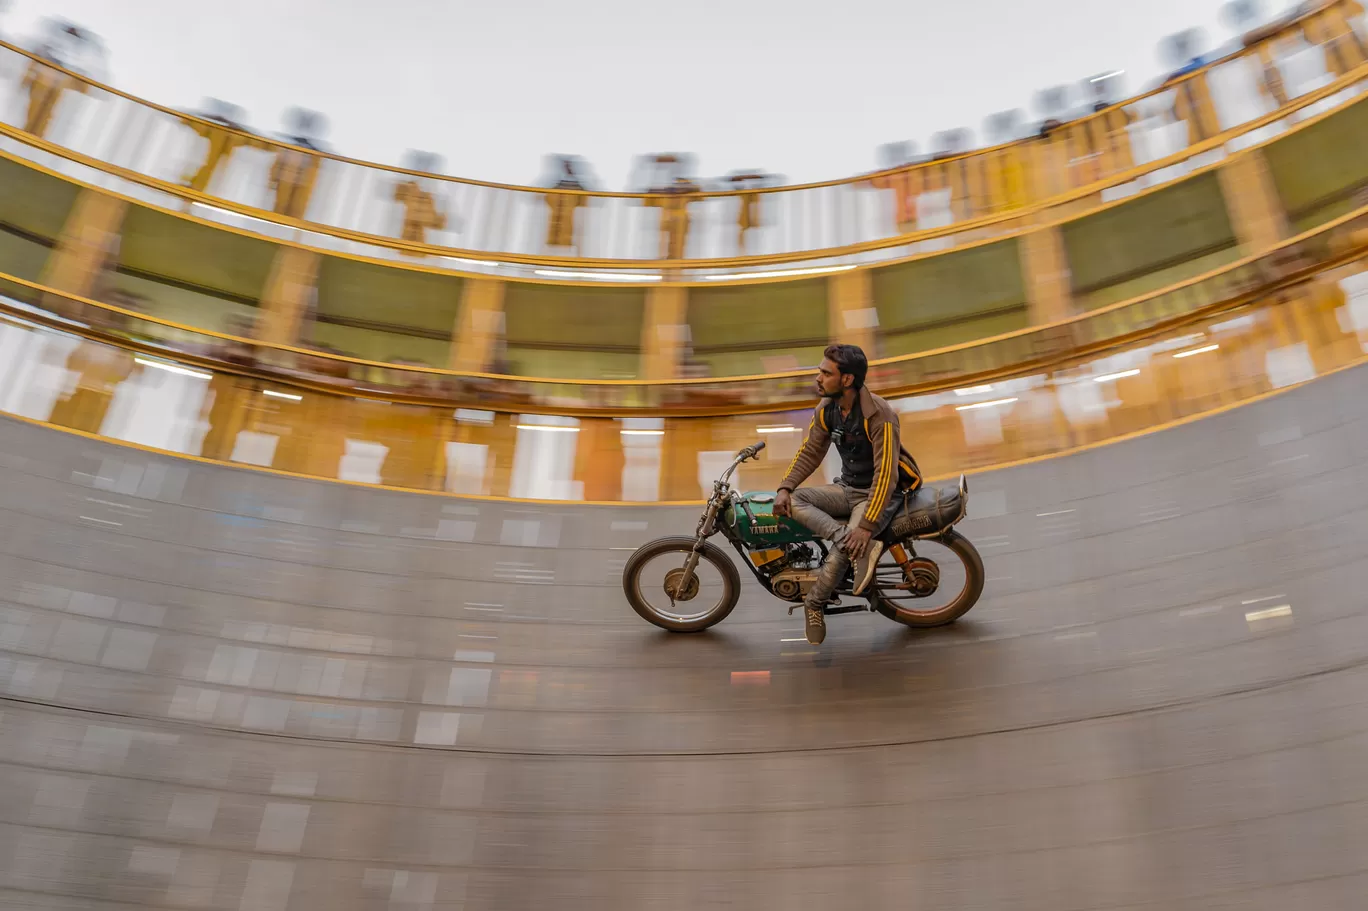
(749, 452)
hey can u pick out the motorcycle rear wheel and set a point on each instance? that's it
(957, 607)
(634, 586)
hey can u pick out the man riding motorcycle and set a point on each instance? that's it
(875, 473)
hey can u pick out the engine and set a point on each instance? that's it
(791, 568)
(793, 584)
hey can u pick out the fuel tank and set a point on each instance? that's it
(769, 530)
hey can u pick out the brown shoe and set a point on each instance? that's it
(816, 623)
(865, 566)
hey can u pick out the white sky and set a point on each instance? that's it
(804, 88)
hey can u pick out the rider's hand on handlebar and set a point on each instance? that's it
(783, 503)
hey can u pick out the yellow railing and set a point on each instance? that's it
(968, 364)
(1266, 343)
(232, 176)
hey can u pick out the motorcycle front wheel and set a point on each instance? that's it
(655, 572)
(945, 582)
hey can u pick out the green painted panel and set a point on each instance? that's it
(1159, 278)
(1319, 215)
(953, 333)
(385, 294)
(372, 345)
(769, 316)
(580, 365)
(163, 246)
(191, 308)
(539, 315)
(1318, 168)
(22, 257)
(772, 360)
(34, 202)
(964, 285)
(1161, 231)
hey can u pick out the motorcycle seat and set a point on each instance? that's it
(928, 511)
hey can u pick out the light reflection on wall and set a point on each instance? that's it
(642, 441)
(544, 459)
(159, 408)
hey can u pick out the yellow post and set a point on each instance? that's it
(664, 332)
(1332, 30)
(479, 325)
(219, 146)
(45, 86)
(851, 316)
(87, 248)
(1045, 272)
(288, 295)
(1192, 102)
(599, 459)
(292, 179)
(685, 438)
(1251, 198)
(907, 186)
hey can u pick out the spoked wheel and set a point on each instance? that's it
(654, 583)
(937, 587)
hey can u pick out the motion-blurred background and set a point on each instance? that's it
(347, 352)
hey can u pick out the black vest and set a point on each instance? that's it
(851, 441)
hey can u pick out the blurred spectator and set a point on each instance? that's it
(561, 231)
(97, 369)
(1112, 142)
(220, 143)
(64, 45)
(748, 204)
(421, 211)
(1054, 105)
(907, 183)
(674, 216)
(949, 143)
(295, 170)
(1246, 17)
(672, 192)
(238, 350)
(951, 180)
(1191, 98)
(229, 393)
(335, 371)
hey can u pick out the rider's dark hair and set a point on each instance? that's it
(849, 359)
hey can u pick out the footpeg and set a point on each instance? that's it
(836, 602)
(829, 610)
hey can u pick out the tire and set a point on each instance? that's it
(973, 566)
(632, 583)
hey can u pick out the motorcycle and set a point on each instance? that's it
(784, 556)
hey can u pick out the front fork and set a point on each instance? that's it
(703, 532)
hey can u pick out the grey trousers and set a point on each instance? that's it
(824, 509)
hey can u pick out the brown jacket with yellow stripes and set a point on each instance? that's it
(894, 467)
